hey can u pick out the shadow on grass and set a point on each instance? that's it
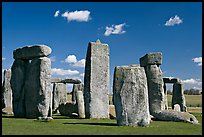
(99, 124)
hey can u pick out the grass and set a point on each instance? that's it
(191, 100)
(62, 125)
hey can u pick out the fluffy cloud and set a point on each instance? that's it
(57, 13)
(77, 15)
(114, 29)
(62, 72)
(173, 21)
(72, 60)
(192, 83)
(198, 60)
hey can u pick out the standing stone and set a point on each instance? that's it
(37, 88)
(178, 97)
(76, 87)
(6, 91)
(18, 76)
(59, 96)
(165, 98)
(130, 96)
(155, 82)
(96, 81)
(80, 103)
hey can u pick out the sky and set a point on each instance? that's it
(131, 30)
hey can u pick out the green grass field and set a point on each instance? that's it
(62, 125)
(191, 100)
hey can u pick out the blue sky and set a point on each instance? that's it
(131, 29)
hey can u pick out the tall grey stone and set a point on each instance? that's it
(6, 91)
(96, 80)
(151, 62)
(59, 96)
(37, 88)
(156, 92)
(165, 98)
(80, 103)
(178, 97)
(30, 52)
(130, 96)
(18, 71)
(76, 87)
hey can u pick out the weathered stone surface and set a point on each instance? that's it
(73, 81)
(76, 87)
(68, 109)
(59, 96)
(177, 107)
(38, 88)
(44, 119)
(165, 98)
(172, 115)
(178, 97)
(7, 110)
(30, 52)
(171, 80)
(130, 96)
(112, 113)
(6, 90)
(18, 76)
(80, 103)
(96, 81)
(155, 88)
(151, 59)
(69, 80)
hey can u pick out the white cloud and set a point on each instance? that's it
(53, 59)
(77, 15)
(80, 63)
(56, 13)
(115, 29)
(62, 72)
(72, 60)
(173, 21)
(198, 60)
(3, 58)
(192, 81)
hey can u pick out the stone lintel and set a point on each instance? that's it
(154, 58)
(171, 80)
(59, 80)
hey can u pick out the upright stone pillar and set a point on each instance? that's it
(30, 82)
(59, 96)
(6, 91)
(18, 71)
(130, 96)
(165, 98)
(178, 97)
(37, 88)
(80, 103)
(155, 82)
(96, 81)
